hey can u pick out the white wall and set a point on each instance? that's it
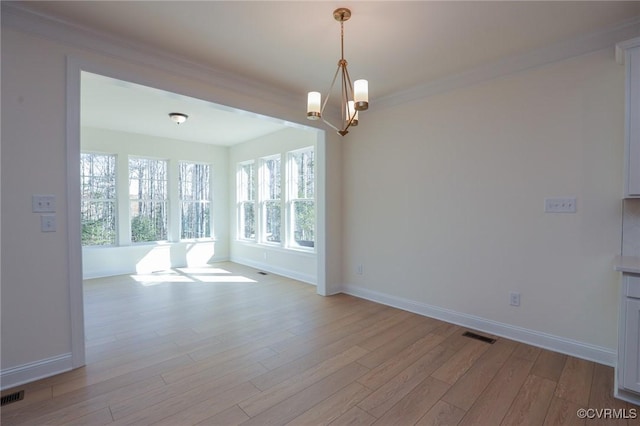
(40, 271)
(443, 205)
(440, 199)
(35, 276)
(301, 265)
(143, 258)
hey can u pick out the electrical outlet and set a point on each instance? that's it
(560, 205)
(359, 269)
(514, 298)
(43, 203)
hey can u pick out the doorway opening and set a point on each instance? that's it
(102, 122)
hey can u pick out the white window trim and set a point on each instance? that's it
(286, 202)
(116, 204)
(209, 201)
(290, 242)
(167, 200)
(240, 201)
(262, 195)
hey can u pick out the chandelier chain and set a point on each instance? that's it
(342, 40)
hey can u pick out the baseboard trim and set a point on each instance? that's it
(571, 347)
(307, 278)
(16, 376)
(627, 396)
(132, 271)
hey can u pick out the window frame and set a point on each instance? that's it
(293, 198)
(242, 200)
(266, 199)
(207, 202)
(113, 201)
(165, 201)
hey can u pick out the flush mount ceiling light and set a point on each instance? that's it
(354, 98)
(178, 117)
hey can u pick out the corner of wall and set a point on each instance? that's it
(631, 228)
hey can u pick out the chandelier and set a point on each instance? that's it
(354, 98)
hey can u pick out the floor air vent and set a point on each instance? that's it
(479, 337)
(12, 397)
(262, 273)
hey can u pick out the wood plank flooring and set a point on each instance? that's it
(224, 345)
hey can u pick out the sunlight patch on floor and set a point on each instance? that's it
(203, 270)
(190, 275)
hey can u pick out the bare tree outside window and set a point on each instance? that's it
(98, 199)
(286, 214)
(148, 199)
(246, 201)
(272, 205)
(195, 201)
(302, 197)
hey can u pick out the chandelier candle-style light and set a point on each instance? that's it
(355, 97)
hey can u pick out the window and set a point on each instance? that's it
(271, 204)
(98, 199)
(246, 201)
(194, 201)
(302, 197)
(148, 199)
(285, 215)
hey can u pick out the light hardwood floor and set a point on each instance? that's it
(224, 345)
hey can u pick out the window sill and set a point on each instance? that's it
(274, 247)
(152, 244)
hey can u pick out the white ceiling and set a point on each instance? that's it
(294, 46)
(117, 105)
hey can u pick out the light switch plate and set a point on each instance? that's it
(47, 223)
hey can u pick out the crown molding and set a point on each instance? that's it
(588, 43)
(21, 18)
(623, 46)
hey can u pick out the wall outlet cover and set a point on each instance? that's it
(43, 203)
(560, 205)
